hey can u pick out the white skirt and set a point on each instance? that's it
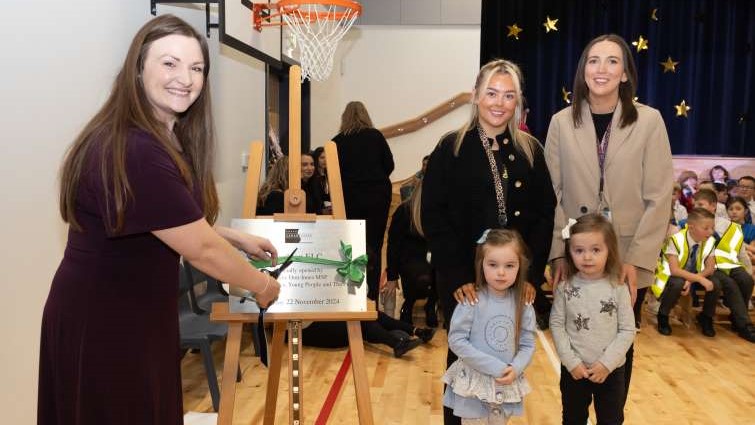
(466, 381)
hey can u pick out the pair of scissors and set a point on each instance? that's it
(274, 272)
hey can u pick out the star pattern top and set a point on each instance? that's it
(571, 291)
(582, 322)
(609, 306)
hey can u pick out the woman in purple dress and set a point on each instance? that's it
(137, 191)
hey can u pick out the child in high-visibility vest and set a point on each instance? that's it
(688, 258)
(733, 268)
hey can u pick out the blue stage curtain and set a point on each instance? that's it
(712, 40)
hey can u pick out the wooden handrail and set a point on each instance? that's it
(432, 115)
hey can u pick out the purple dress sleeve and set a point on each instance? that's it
(160, 198)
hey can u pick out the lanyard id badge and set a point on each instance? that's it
(602, 147)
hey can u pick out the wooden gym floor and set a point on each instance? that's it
(681, 379)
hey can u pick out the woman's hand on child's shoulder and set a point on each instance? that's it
(466, 294)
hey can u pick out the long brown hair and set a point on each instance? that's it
(277, 180)
(594, 222)
(627, 89)
(523, 141)
(498, 238)
(354, 118)
(128, 108)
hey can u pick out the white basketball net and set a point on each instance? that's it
(318, 29)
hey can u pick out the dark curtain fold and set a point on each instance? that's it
(712, 40)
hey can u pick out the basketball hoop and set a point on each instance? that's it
(317, 26)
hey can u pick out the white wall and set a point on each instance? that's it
(399, 72)
(59, 60)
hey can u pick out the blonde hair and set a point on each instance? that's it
(355, 118)
(523, 142)
(277, 180)
(499, 238)
(594, 222)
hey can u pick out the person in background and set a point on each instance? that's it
(746, 189)
(688, 181)
(366, 164)
(680, 212)
(722, 195)
(739, 212)
(270, 197)
(687, 259)
(310, 183)
(137, 191)
(733, 272)
(407, 257)
(719, 174)
(321, 171)
(407, 188)
(488, 174)
(593, 146)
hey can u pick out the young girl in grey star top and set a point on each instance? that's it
(494, 338)
(592, 323)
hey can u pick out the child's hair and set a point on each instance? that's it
(737, 200)
(594, 222)
(706, 195)
(719, 167)
(498, 238)
(685, 175)
(720, 187)
(677, 187)
(698, 214)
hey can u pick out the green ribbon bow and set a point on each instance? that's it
(351, 269)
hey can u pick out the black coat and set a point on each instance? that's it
(404, 244)
(459, 203)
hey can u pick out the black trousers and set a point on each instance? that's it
(576, 396)
(673, 291)
(447, 281)
(417, 282)
(370, 203)
(737, 289)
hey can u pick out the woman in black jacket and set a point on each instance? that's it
(488, 174)
(366, 163)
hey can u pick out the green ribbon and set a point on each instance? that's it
(351, 269)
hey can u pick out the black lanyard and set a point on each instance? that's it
(602, 147)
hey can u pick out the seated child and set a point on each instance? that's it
(687, 258)
(733, 267)
(592, 323)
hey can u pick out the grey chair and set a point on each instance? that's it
(202, 303)
(197, 332)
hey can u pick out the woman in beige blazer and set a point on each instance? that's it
(605, 125)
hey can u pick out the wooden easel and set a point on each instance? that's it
(294, 210)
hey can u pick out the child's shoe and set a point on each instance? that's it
(425, 334)
(663, 327)
(706, 323)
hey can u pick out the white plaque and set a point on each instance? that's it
(309, 287)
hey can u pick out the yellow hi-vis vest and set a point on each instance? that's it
(679, 239)
(727, 249)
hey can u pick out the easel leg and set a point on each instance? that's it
(359, 368)
(274, 371)
(230, 369)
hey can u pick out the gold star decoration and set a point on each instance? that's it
(550, 24)
(514, 30)
(565, 95)
(641, 44)
(653, 15)
(669, 65)
(682, 108)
